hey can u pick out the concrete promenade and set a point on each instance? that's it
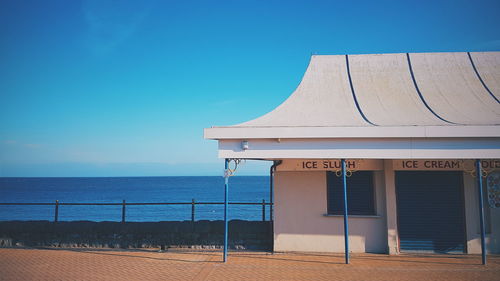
(179, 264)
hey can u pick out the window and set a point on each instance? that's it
(360, 194)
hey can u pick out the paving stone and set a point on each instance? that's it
(189, 264)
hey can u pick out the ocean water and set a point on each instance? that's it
(133, 190)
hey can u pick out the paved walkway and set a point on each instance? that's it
(94, 264)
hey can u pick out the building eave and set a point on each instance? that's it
(233, 132)
(362, 148)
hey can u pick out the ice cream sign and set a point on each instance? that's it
(444, 165)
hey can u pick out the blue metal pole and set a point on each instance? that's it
(479, 177)
(226, 189)
(346, 224)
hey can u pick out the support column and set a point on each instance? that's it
(226, 191)
(391, 208)
(346, 223)
(479, 177)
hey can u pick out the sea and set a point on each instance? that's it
(133, 190)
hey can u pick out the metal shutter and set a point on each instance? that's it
(430, 211)
(360, 194)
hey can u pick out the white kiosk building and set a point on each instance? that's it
(409, 132)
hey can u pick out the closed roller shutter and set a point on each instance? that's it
(430, 211)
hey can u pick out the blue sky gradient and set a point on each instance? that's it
(125, 88)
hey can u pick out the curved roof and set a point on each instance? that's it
(389, 92)
(419, 89)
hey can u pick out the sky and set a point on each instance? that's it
(125, 88)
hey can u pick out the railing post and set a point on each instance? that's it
(263, 209)
(56, 212)
(123, 211)
(192, 210)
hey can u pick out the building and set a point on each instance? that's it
(409, 128)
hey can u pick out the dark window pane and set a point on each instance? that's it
(360, 194)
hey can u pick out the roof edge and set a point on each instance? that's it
(471, 131)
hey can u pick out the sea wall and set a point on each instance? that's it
(253, 235)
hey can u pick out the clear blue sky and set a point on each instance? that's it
(125, 88)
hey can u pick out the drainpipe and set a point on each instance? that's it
(226, 197)
(276, 163)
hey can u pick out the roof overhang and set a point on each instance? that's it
(362, 148)
(221, 133)
(380, 106)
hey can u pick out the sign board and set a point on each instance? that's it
(443, 165)
(329, 165)
(398, 164)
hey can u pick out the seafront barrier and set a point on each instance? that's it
(250, 235)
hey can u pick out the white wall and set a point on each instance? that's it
(472, 220)
(300, 224)
(391, 207)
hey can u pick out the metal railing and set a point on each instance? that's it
(193, 204)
